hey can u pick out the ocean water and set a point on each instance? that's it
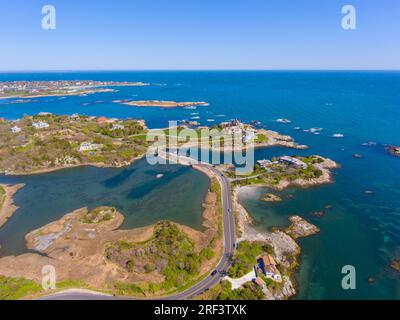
(360, 230)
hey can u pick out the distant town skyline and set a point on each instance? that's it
(199, 35)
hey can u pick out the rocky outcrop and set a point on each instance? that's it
(393, 150)
(301, 228)
(395, 264)
(270, 197)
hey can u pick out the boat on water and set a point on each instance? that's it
(283, 121)
(315, 130)
(369, 144)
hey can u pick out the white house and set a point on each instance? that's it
(293, 161)
(74, 116)
(117, 127)
(264, 163)
(40, 125)
(88, 146)
(15, 129)
(249, 136)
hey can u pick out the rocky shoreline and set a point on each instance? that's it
(162, 104)
(301, 228)
(326, 177)
(287, 250)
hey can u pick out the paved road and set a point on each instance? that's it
(229, 239)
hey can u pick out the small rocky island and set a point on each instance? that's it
(270, 197)
(395, 264)
(161, 104)
(393, 150)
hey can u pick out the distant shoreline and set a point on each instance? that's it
(63, 89)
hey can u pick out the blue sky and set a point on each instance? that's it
(199, 34)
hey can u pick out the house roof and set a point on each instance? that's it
(268, 260)
(102, 119)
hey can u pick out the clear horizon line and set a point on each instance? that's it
(189, 70)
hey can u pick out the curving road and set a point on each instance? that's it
(229, 237)
(229, 240)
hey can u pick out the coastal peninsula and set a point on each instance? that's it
(88, 250)
(227, 136)
(283, 250)
(38, 89)
(272, 256)
(280, 173)
(47, 142)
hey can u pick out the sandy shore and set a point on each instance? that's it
(8, 208)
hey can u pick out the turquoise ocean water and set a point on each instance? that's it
(361, 230)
